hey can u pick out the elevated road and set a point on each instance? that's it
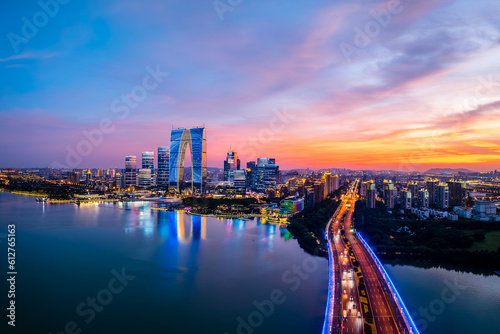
(361, 296)
(384, 321)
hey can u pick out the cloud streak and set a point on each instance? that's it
(398, 96)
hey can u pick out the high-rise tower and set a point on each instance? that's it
(163, 166)
(197, 141)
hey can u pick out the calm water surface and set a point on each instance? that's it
(449, 301)
(183, 274)
(190, 274)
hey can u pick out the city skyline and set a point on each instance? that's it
(242, 166)
(381, 85)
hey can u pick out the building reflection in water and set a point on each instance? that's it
(177, 226)
(181, 227)
(196, 227)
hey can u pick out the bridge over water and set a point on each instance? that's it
(362, 297)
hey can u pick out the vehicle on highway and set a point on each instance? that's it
(354, 306)
(345, 315)
(350, 298)
(359, 314)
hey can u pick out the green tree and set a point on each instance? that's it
(479, 236)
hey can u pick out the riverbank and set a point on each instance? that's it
(308, 226)
(28, 193)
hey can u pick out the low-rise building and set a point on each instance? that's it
(463, 212)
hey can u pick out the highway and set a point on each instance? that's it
(353, 322)
(352, 274)
(384, 320)
(344, 296)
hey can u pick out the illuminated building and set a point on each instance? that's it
(251, 167)
(179, 139)
(119, 181)
(442, 196)
(130, 171)
(432, 189)
(371, 194)
(328, 183)
(111, 173)
(389, 194)
(413, 188)
(290, 206)
(319, 192)
(362, 189)
(266, 174)
(336, 182)
(144, 177)
(163, 166)
(270, 212)
(240, 181)
(148, 162)
(423, 198)
(405, 199)
(231, 164)
(74, 177)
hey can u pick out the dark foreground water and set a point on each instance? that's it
(449, 301)
(124, 268)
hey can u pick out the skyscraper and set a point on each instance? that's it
(457, 193)
(442, 196)
(163, 166)
(423, 198)
(371, 194)
(363, 188)
(144, 178)
(328, 180)
(148, 163)
(389, 194)
(266, 174)
(413, 188)
(336, 182)
(251, 167)
(319, 192)
(405, 198)
(196, 139)
(240, 180)
(231, 164)
(148, 160)
(130, 171)
(432, 189)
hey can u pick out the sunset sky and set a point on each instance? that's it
(354, 84)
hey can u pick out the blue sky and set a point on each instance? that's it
(358, 84)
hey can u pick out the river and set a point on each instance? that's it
(124, 268)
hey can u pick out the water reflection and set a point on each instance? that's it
(183, 264)
(177, 226)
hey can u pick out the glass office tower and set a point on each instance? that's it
(163, 166)
(179, 139)
(266, 174)
(130, 171)
(231, 164)
(148, 160)
(148, 164)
